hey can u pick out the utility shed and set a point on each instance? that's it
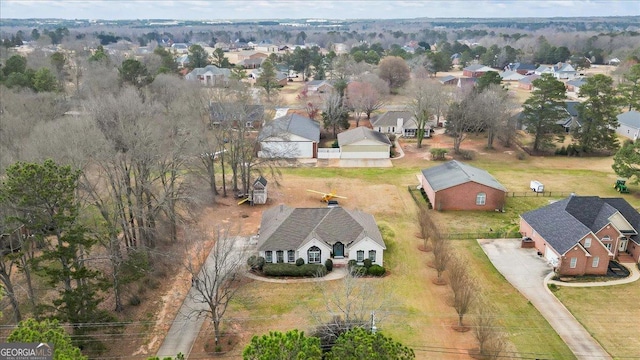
(457, 186)
(259, 191)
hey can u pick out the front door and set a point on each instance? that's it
(338, 250)
(623, 245)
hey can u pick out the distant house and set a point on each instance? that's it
(447, 80)
(629, 125)
(363, 143)
(318, 234)
(466, 82)
(250, 54)
(521, 68)
(458, 186)
(319, 86)
(236, 114)
(210, 75)
(476, 70)
(180, 48)
(581, 234)
(574, 85)
(291, 136)
(251, 63)
(572, 120)
(526, 82)
(183, 61)
(281, 77)
(397, 122)
(510, 75)
(559, 70)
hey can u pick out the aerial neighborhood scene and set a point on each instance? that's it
(319, 179)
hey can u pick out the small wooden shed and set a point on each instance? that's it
(259, 191)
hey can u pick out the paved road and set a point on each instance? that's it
(526, 271)
(186, 325)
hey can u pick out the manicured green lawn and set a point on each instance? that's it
(611, 314)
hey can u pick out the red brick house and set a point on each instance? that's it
(458, 186)
(476, 70)
(581, 234)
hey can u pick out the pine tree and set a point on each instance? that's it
(544, 109)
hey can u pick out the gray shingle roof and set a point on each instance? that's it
(361, 133)
(528, 79)
(563, 223)
(291, 124)
(453, 173)
(224, 112)
(478, 67)
(286, 228)
(390, 118)
(631, 119)
(209, 68)
(447, 78)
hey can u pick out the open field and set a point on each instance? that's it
(611, 325)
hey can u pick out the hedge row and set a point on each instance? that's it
(306, 270)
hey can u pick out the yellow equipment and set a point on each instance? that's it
(327, 196)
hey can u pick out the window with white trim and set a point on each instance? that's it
(606, 238)
(596, 262)
(280, 256)
(481, 198)
(372, 255)
(313, 255)
(291, 256)
(268, 256)
(608, 246)
(573, 263)
(587, 243)
(360, 256)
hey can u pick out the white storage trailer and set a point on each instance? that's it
(536, 186)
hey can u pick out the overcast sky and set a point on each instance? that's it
(325, 9)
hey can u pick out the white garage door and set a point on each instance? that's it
(551, 256)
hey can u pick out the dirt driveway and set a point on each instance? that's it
(526, 271)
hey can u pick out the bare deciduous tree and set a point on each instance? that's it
(346, 307)
(486, 330)
(462, 118)
(217, 276)
(363, 97)
(463, 286)
(442, 253)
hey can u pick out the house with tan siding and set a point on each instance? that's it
(457, 186)
(580, 235)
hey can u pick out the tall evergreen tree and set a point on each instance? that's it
(544, 109)
(267, 78)
(44, 195)
(198, 57)
(597, 114)
(630, 88)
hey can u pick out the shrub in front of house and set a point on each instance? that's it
(305, 270)
(329, 265)
(367, 263)
(351, 264)
(358, 270)
(376, 270)
(300, 262)
(256, 262)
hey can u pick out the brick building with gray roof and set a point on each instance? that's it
(458, 186)
(579, 235)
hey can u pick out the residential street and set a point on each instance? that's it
(526, 271)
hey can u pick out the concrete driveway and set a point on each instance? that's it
(526, 271)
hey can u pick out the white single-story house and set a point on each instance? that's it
(629, 125)
(363, 143)
(399, 123)
(290, 137)
(320, 86)
(210, 75)
(317, 234)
